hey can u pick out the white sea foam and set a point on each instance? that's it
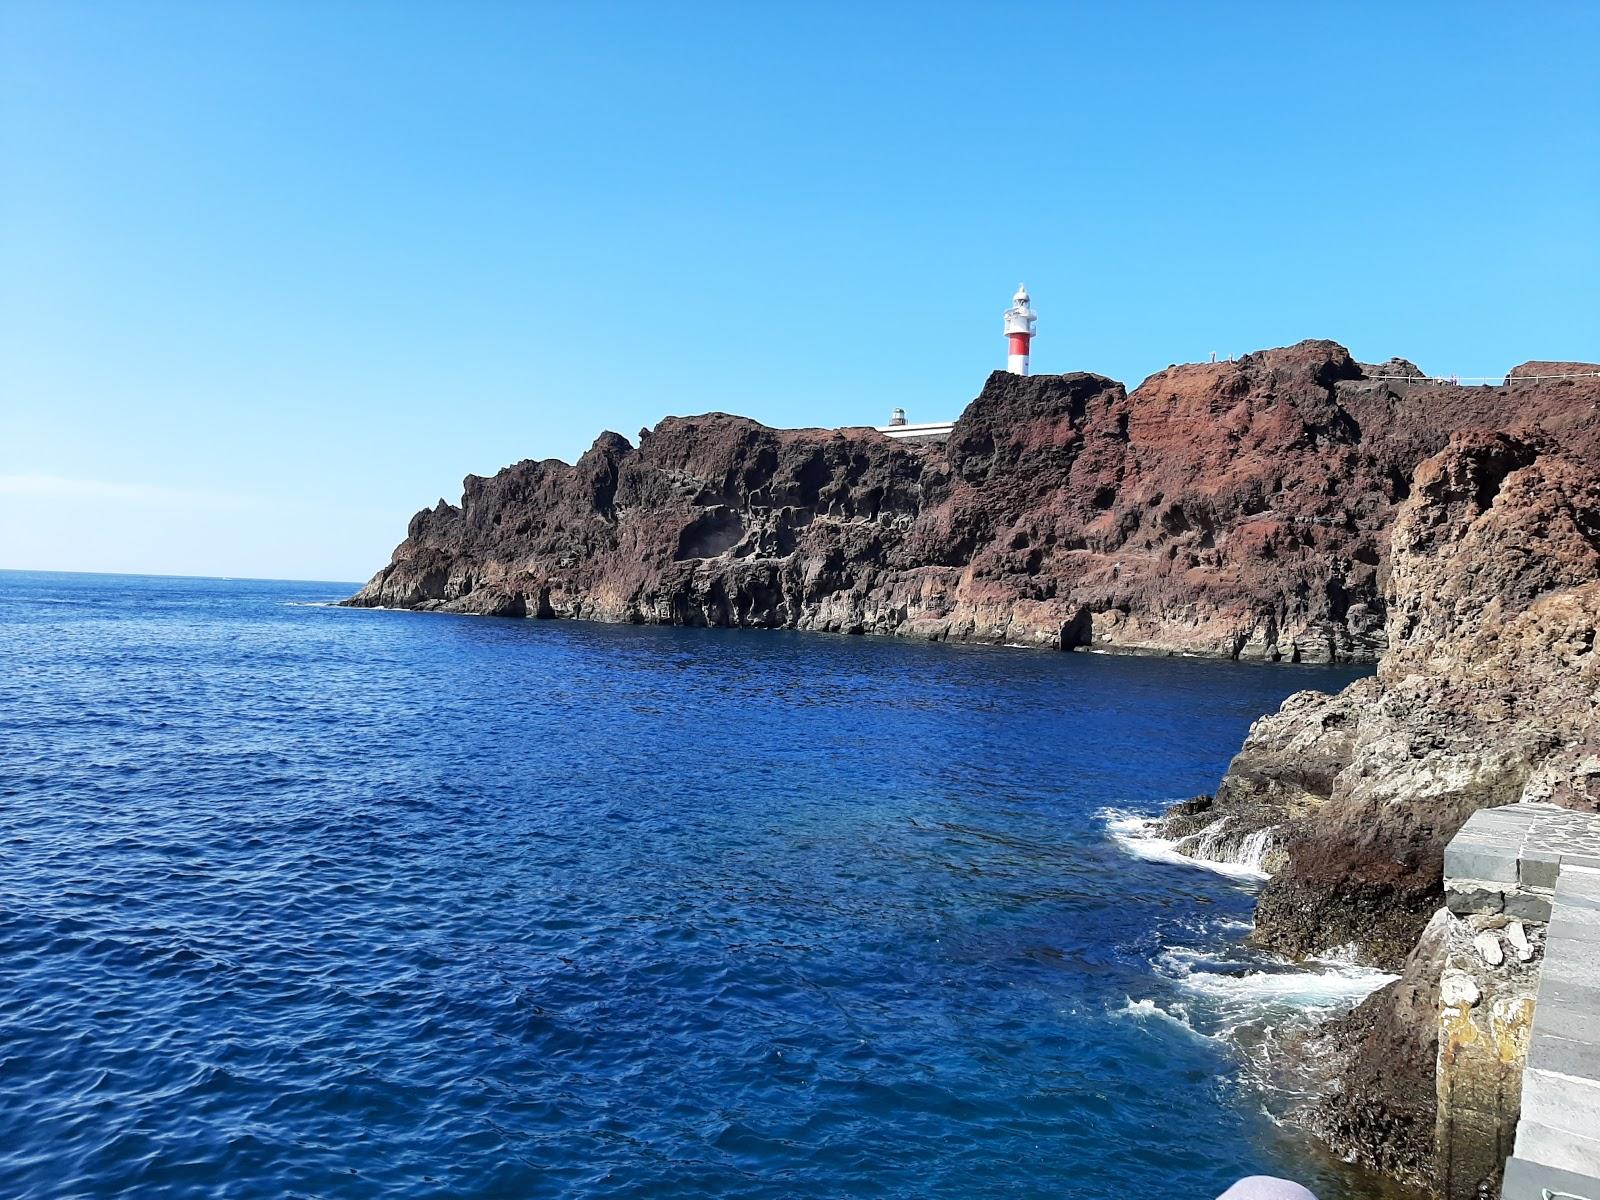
(1227, 992)
(1137, 835)
(1147, 1009)
(1249, 854)
(1252, 1003)
(1258, 1004)
(1335, 981)
(1238, 991)
(1333, 986)
(1347, 955)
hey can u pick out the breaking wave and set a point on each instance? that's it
(1249, 854)
(1242, 988)
(1147, 1009)
(1137, 834)
(1221, 988)
(1260, 1004)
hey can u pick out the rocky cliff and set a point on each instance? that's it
(1236, 509)
(1292, 504)
(1489, 694)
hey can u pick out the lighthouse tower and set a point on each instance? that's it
(1020, 322)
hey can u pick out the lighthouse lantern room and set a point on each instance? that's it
(1020, 322)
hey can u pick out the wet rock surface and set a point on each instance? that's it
(1381, 1109)
(1232, 509)
(1488, 695)
(1290, 505)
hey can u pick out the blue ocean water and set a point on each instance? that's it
(306, 901)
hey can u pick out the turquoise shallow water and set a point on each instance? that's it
(306, 901)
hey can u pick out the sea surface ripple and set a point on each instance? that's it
(306, 901)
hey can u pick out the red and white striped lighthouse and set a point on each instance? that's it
(1020, 322)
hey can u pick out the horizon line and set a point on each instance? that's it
(167, 575)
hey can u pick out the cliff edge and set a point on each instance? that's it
(1234, 509)
(1293, 504)
(1489, 694)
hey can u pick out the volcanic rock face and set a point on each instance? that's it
(1292, 504)
(1236, 509)
(1489, 694)
(1382, 1113)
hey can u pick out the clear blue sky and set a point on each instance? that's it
(273, 276)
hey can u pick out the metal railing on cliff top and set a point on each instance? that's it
(1492, 380)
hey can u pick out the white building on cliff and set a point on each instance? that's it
(1021, 322)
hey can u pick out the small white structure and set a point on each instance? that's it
(1020, 324)
(901, 430)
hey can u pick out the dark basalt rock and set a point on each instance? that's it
(1288, 505)
(1190, 816)
(1382, 1113)
(1232, 509)
(1487, 695)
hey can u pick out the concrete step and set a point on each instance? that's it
(1559, 1148)
(1526, 1180)
(1565, 1056)
(1566, 1102)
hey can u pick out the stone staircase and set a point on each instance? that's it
(1536, 861)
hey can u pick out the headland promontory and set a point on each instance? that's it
(1296, 505)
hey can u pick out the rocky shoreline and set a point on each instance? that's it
(1295, 504)
(1489, 694)
(1229, 509)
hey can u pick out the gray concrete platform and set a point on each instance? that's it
(1542, 863)
(1508, 859)
(1560, 1124)
(1534, 1181)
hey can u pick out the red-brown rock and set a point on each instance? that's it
(1489, 694)
(1228, 509)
